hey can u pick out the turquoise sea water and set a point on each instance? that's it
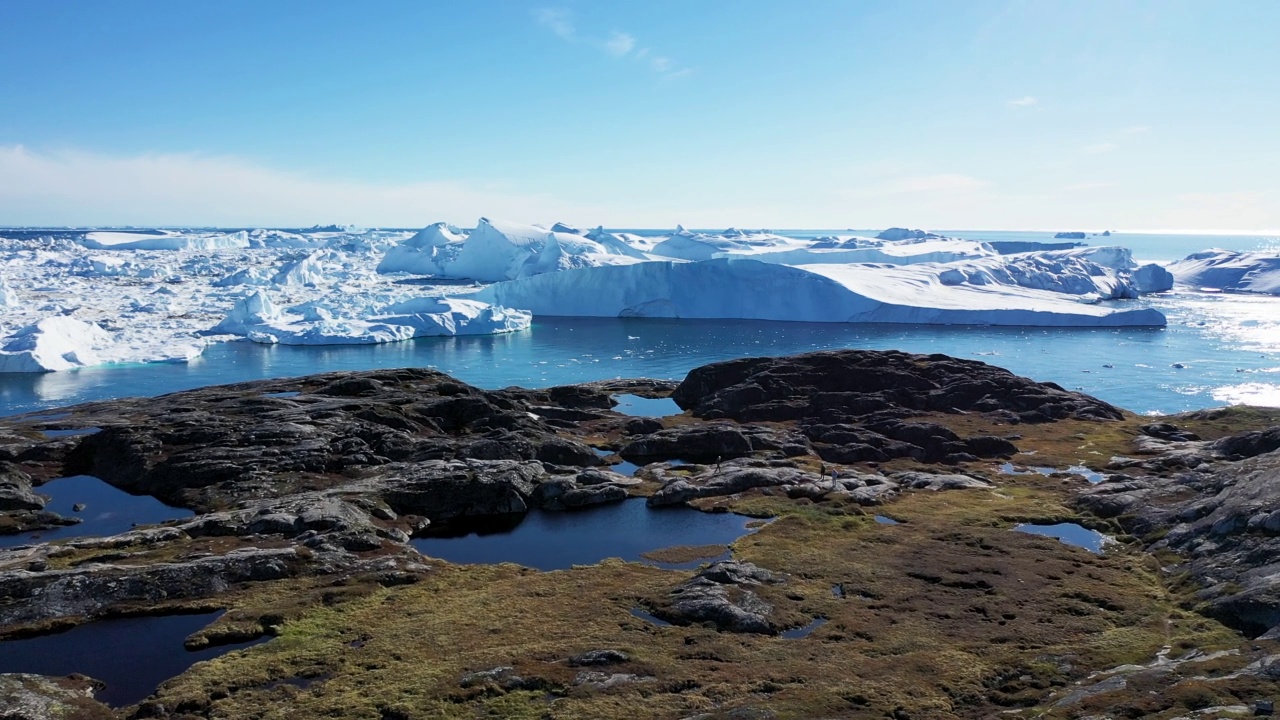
(1218, 349)
(1228, 347)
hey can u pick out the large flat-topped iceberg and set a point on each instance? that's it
(749, 289)
(1253, 272)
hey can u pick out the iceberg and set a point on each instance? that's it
(56, 343)
(497, 250)
(686, 245)
(934, 250)
(898, 233)
(64, 343)
(255, 317)
(1148, 278)
(749, 289)
(1251, 272)
(164, 240)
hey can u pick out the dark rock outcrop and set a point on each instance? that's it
(857, 385)
(1220, 513)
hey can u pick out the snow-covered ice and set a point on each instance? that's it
(749, 289)
(164, 240)
(1253, 272)
(79, 298)
(74, 299)
(258, 319)
(497, 250)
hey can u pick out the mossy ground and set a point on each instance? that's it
(947, 614)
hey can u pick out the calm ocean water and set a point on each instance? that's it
(1218, 349)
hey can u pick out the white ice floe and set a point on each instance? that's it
(8, 298)
(161, 304)
(64, 343)
(743, 288)
(258, 319)
(165, 240)
(1253, 272)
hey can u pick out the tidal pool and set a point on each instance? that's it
(131, 655)
(559, 540)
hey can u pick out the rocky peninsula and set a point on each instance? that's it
(885, 581)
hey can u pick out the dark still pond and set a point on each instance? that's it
(558, 540)
(106, 510)
(131, 655)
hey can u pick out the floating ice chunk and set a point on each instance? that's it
(247, 276)
(317, 323)
(55, 343)
(1152, 278)
(1254, 272)
(251, 311)
(305, 271)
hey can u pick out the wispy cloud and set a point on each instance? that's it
(84, 188)
(558, 21)
(1027, 101)
(1136, 129)
(1098, 148)
(617, 43)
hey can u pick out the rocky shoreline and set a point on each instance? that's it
(309, 491)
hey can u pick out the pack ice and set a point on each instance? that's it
(77, 298)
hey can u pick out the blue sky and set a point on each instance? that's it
(941, 114)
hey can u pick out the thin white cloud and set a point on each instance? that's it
(619, 44)
(1098, 148)
(1027, 101)
(83, 188)
(558, 21)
